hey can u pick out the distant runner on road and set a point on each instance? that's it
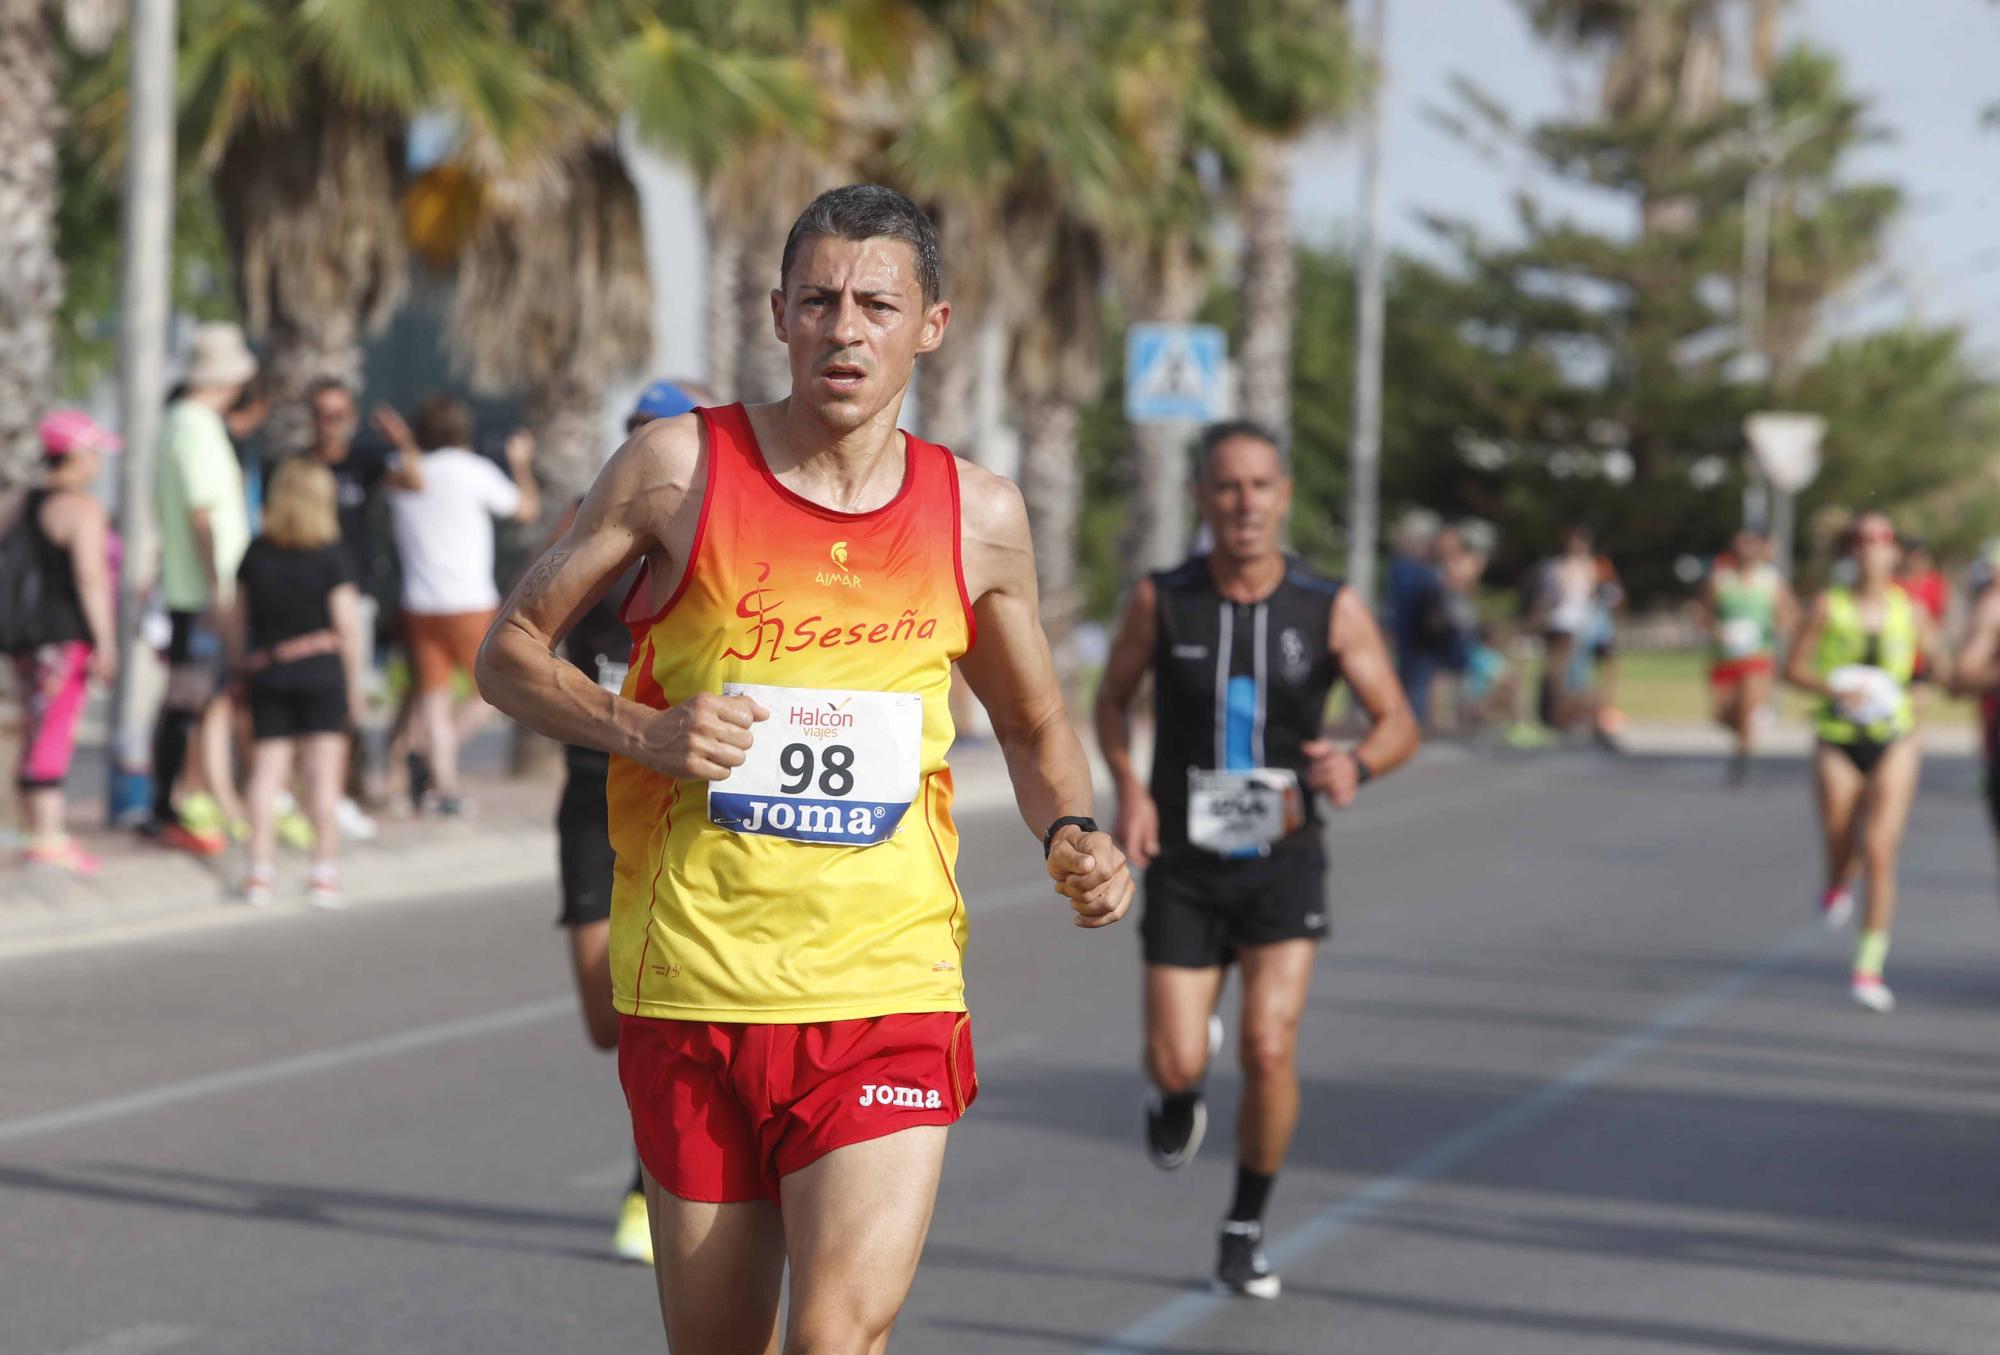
(1856, 652)
(1245, 645)
(787, 936)
(1748, 605)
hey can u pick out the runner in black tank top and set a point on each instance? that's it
(600, 644)
(1245, 646)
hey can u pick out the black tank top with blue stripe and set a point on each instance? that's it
(1237, 685)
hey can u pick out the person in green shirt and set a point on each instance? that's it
(1748, 605)
(204, 529)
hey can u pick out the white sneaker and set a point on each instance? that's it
(1836, 908)
(256, 890)
(1872, 993)
(355, 825)
(323, 888)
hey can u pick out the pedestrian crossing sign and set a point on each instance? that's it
(1175, 373)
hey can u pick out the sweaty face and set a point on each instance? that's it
(1245, 497)
(854, 318)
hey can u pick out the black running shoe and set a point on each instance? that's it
(1241, 1268)
(1174, 1126)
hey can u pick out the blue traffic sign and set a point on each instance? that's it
(1175, 373)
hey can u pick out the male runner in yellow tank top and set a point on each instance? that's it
(787, 934)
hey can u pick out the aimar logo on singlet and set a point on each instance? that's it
(838, 575)
(902, 1098)
(772, 631)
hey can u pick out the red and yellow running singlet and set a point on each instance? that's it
(774, 914)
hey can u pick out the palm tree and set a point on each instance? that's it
(1283, 65)
(32, 121)
(554, 300)
(722, 87)
(297, 110)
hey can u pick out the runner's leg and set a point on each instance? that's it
(1276, 979)
(1178, 1004)
(854, 1226)
(1837, 787)
(719, 1268)
(590, 953)
(1890, 793)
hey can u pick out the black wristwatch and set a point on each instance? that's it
(1363, 773)
(1087, 824)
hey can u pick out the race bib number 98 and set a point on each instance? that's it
(828, 766)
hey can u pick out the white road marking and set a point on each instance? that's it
(1168, 1321)
(278, 1070)
(145, 1339)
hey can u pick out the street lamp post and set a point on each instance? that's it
(144, 301)
(1365, 442)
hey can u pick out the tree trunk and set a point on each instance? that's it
(566, 419)
(763, 367)
(949, 390)
(1269, 277)
(31, 280)
(1171, 294)
(295, 356)
(722, 310)
(1052, 487)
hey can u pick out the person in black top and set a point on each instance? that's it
(295, 641)
(1245, 645)
(363, 468)
(600, 643)
(69, 640)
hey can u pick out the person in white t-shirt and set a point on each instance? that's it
(444, 538)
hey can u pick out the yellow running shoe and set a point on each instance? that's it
(634, 1239)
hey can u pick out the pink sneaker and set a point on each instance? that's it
(1836, 908)
(64, 855)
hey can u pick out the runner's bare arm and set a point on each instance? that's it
(1138, 826)
(645, 502)
(1392, 736)
(1012, 673)
(1977, 670)
(1805, 644)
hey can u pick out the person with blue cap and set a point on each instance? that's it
(600, 644)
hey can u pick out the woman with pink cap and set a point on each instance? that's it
(73, 634)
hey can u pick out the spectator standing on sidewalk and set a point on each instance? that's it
(204, 529)
(444, 537)
(363, 469)
(64, 568)
(295, 639)
(1418, 616)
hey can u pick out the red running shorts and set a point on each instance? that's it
(722, 1110)
(1730, 672)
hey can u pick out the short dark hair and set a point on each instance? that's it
(442, 421)
(1216, 434)
(325, 384)
(866, 211)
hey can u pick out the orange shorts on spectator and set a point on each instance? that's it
(443, 643)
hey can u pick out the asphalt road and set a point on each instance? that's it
(1581, 1076)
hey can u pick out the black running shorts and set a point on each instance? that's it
(1200, 910)
(583, 841)
(283, 712)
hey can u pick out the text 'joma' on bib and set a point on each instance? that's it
(828, 766)
(1242, 813)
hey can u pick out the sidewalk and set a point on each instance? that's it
(510, 840)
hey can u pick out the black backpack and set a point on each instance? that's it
(32, 610)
